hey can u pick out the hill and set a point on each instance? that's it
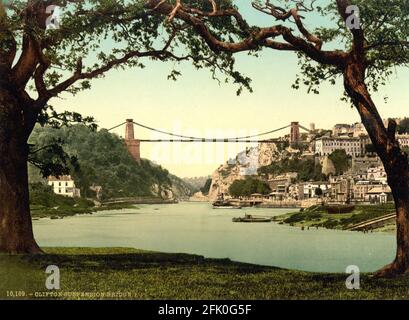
(103, 160)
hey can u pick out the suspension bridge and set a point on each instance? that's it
(133, 143)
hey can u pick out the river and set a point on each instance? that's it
(198, 229)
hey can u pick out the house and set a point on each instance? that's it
(380, 194)
(341, 188)
(377, 174)
(64, 186)
(309, 189)
(361, 189)
(324, 146)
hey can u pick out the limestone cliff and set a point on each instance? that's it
(245, 164)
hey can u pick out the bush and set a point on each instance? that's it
(247, 187)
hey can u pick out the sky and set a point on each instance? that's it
(198, 105)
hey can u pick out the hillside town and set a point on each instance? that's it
(344, 169)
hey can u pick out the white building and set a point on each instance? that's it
(403, 140)
(324, 146)
(309, 189)
(64, 186)
(380, 194)
(377, 174)
(353, 130)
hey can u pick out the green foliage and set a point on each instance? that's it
(95, 34)
(206, 188)
(303, 216)
(44, 202)
(363, 213)
(103, 160)
(247, 187)
(307, 169)
(318, 216)
(386, 28)
(341, 161)
(403, 126)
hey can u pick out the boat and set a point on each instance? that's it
(250, 218)
(226, 207)
(221, 203)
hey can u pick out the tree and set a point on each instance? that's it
(236, 188)
(318, 192)
(403, 126)
(102, 159)
(247, 187)
(370, 38)
(341, 161)
(42, 57)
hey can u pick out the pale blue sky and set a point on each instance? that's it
(196, 104)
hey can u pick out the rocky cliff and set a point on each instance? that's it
(245, 164)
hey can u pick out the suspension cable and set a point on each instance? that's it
(201, 138)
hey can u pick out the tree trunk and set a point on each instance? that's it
(16, 232)
(393, 158)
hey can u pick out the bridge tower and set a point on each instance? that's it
(295, 133)
(132, 144)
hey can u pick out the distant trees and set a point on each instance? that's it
(403, 126)
(240, 188)
(341, 161)
(307, 169)
(102, 159)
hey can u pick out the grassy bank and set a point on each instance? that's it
(59, 212)
(317, 216)
(50, 205)
(150, 275)
(44, 203)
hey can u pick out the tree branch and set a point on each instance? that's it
(261, 37)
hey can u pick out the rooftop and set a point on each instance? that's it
(60, 178)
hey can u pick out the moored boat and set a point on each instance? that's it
(226, 207)
(250, 218)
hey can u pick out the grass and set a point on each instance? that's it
(59, 212)
(151, 275)
(317, 216)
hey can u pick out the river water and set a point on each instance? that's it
(198, 229)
